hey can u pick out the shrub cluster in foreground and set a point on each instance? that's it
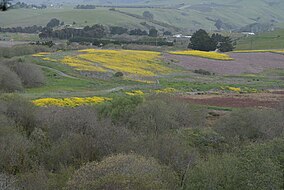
(135, 143)
(15, 75)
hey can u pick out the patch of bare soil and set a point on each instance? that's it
(242, 63)
(268, 100)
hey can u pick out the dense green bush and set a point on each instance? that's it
(235, 172)
(120, 108)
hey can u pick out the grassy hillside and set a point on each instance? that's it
(28, 17)
(190, 14)
(269, 40)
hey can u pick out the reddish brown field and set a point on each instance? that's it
(269, 100)
(243, 63)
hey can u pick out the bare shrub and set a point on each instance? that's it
(34, 180)
(78, 136)
(252, 125)
(9, 81)
(30, 74)
(14, 151)
(161, 114)
(170, 149)
(21, 111)
(124, 172)
(21, 50)
(8, 182)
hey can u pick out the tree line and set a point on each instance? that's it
(85, 7)
(201, 40)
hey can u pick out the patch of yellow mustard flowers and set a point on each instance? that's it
(166, 90)
(81, 65)
(259, 51)
(69, 102)
(133, 62)
(41, 54)
(204, 54)
(234, 89)
(135, 93)
(49, 59)
(240, 90)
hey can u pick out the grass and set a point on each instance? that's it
(260, 51)
(29, 17)
(19, 36)
(75, 83)
(238, 14)
(263, 41)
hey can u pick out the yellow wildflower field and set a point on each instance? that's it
(69, 102)
(204, 54)
(132, 62)
(234, 89)
(41, 54)
(81, 65)
(135, 93)
(166, 90)
(49, 59)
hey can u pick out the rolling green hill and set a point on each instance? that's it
(268, 40)
(185, 14)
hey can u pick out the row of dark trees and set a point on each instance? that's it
(29, 29)
(33, 29)
(201, 40)
(85, 7)
(27, 6)
(95, 31)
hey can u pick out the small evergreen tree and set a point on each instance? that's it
(153, 32)
(53, 23)
(148, 15)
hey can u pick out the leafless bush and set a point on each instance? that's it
(21, 50)
(252, 125)
(161, 114)
(9, 81)
(30, 74)
(14, 151)
(124, 172)
(77, 136)
(8, 182)
(34, 180)
(21, 111)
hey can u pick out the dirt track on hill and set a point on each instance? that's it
(243, 63)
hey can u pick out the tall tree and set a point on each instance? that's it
(201, 40)
(153, 32)
(53, 23)
(224, 43)
(148, 15)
